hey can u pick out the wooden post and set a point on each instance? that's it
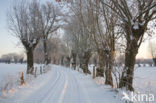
(93, 72)
(44, 69)
(22, 78)
(35, 72)
(40, 69)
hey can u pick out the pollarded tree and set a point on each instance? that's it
(100, 22)
(105, 33)
(135, 16)
(25, 24)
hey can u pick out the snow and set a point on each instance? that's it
(145, 80)
(64, 85)
(131, 37)
(136, 26)
(12, 69)
(10, 78)
(34, 41)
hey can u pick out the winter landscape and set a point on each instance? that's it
(78, 51)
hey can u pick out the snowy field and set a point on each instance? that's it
(10, 69)
(145, 80)
(64, 85)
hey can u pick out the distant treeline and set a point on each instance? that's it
(12, 58)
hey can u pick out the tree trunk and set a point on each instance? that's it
(46, 61)
(102, 63)
(154, 60)
(62, 60)
(68, 61)
(109, 67)
(30, 62)
(85, 61)
(127, 74)
(74, 60)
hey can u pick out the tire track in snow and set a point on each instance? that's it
(83, 90)
(74, 90)
(70, 93)
(64, 90)
(75, 93)
(43, 91)
(58, 88)
(48, 92)
(51, 94)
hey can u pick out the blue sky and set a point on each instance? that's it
(10, 44)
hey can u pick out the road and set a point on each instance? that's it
(68, 86)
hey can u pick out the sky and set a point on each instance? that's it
(11, 44)
(8, 43)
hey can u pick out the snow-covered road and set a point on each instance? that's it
(64, 85)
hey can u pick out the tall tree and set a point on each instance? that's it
(25, 24)
(49, 24)
(104, 33)
(135, 16)
(79, 43)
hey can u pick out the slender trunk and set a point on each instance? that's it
(109, 67)
(30, 62)
(154, 60)
(62, 60)
(54, 60)
(128, 73)
(68, 61)
(102, 63)
(74, 60)
(46, 61)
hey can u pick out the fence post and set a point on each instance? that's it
(44, 69)
(22, 78)
(40, 69)
(35, 72)
(93, 72)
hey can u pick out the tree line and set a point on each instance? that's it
(12, 58)
(109, 28)
(100, 30)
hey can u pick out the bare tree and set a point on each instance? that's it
(135, 16)
(100, 23)
(6, 58)
(39, 53)
(49, 24)
(79, 42)
(55, 48)
(25, 24)
(12, 57)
